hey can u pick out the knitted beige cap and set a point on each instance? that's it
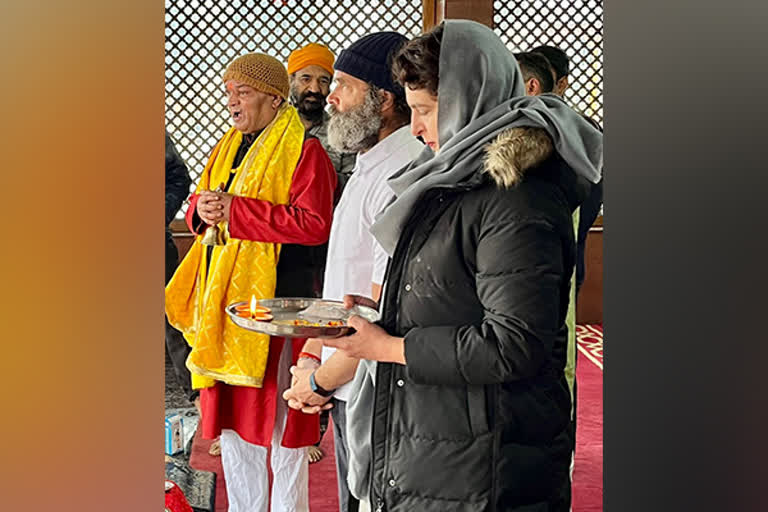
(260, 71)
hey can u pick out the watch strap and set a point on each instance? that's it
(317, 389)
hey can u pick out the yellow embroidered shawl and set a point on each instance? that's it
(194, 301)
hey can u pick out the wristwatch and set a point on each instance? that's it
(317, 389)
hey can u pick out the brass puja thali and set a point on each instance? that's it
(295, 317)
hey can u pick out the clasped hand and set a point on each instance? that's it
(369, 341)
(300, 395)
(214, 207)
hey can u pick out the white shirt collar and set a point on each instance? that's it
(384, 148)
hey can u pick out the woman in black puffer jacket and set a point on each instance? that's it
(467, 408)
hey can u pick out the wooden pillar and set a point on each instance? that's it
(589, 305)
(436, 11)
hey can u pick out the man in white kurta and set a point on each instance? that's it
(369, 116)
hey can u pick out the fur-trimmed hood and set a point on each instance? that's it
(514, 152)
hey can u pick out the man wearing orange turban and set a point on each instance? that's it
(311, 70)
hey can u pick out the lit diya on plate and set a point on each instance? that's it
(297, 317)
(254, 311)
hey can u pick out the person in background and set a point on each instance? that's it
(537, 73)
(369, 116)
(263, 200)
(311, 70)
(560, 64)
(177, 184)
(466, 406)
(559, 74)
(590, 209)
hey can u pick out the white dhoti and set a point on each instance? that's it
(245, 464)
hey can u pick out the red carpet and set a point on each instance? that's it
(588, 468)
(323, 490)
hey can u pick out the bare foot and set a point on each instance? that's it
(215, 449)
(315, 454)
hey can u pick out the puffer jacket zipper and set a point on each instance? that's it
(386, 312)
(402, 255)
(388, 421)
(391, 383)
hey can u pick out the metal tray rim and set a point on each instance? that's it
(295, 331)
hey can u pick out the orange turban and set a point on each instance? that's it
(313, 53)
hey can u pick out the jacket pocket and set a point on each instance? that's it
(478, 417)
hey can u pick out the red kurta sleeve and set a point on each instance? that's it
(306, 219)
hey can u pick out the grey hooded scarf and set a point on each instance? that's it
(481, 94)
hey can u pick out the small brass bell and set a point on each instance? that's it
(214, 235)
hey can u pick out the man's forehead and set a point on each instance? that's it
(233, 84)
(313, 70)
(341, 76)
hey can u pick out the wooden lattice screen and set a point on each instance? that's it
(574, 26)
(202, 37)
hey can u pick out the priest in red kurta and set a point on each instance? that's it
(244, 407)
